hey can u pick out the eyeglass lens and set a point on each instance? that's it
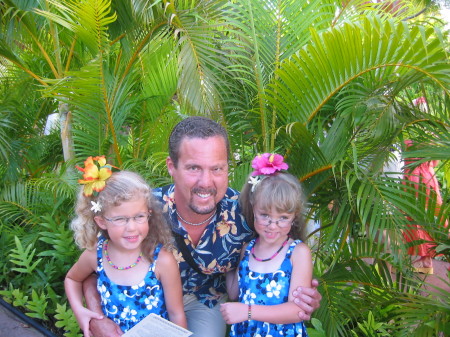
(123, 220)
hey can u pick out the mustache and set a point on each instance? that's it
(211, 191)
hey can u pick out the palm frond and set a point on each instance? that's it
(381, 49)
(199, 56)
(87, 19)
(16, 204)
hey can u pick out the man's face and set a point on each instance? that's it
(201, 177)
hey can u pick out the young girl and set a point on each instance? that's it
(273, 264)
(127, 243)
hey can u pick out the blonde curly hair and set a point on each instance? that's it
(122, 186)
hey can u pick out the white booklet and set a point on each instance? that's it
(156, 326)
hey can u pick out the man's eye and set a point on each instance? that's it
(220, 170)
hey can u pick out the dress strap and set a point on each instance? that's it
(291, 248)
(156, 252)
(249, 247)
(100, 242)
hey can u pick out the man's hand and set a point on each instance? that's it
(307, 299)
(99, 327)
(105, 328)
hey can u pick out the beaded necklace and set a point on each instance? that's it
(195, 224)
(116, 267)
(273, 256)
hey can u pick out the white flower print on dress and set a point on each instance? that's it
(151, 302)
(249, 297)
(273, 289)
(127, 313)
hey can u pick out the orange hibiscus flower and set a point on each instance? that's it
(95, 174)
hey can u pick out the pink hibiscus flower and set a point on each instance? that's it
(268, 163)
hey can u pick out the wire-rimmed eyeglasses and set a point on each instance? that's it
(120, 221)
(266, 220)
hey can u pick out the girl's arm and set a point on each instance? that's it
(232, 280)
(285, 313)
(73, 285)
(169, 274)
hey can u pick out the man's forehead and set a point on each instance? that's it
(216, 142)
(204, 163)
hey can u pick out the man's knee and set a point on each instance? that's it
(204, 321)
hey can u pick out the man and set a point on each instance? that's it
(207, 224)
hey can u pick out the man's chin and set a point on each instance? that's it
(203, 209)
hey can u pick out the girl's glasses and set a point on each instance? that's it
(265, 220)
(120, 221)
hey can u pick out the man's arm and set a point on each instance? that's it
(307, 299)
(99, 328)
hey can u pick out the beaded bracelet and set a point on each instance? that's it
(249, 317)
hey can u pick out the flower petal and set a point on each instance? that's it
(90, 172)
(88, 161)
(104, 173)
(268, 163)
(87, 191)
(101, 160)
(98, 186)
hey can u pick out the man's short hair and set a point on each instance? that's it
(195, 127)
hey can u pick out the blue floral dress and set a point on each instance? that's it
(266, 289)
(128, 305)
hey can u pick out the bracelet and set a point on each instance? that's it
(249, 317)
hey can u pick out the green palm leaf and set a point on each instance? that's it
(380, 49)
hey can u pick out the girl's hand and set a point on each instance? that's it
(234, 312)
(84, 316)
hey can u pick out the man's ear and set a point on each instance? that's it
(170, 166)
(100, 221)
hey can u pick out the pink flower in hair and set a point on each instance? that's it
(268, 163)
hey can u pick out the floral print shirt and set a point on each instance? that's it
(218, 250)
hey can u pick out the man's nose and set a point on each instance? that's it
(206, 178)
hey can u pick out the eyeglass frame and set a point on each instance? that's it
(266, 221)
(127, 219)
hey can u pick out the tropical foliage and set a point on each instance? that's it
(328, 84)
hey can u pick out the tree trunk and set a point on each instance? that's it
(65, 118)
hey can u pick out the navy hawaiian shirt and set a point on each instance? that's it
(218, 250)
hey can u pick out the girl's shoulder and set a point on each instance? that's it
(89, 253)
(88, 256)
(165, 256)
(166, 265)
(300, 250)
